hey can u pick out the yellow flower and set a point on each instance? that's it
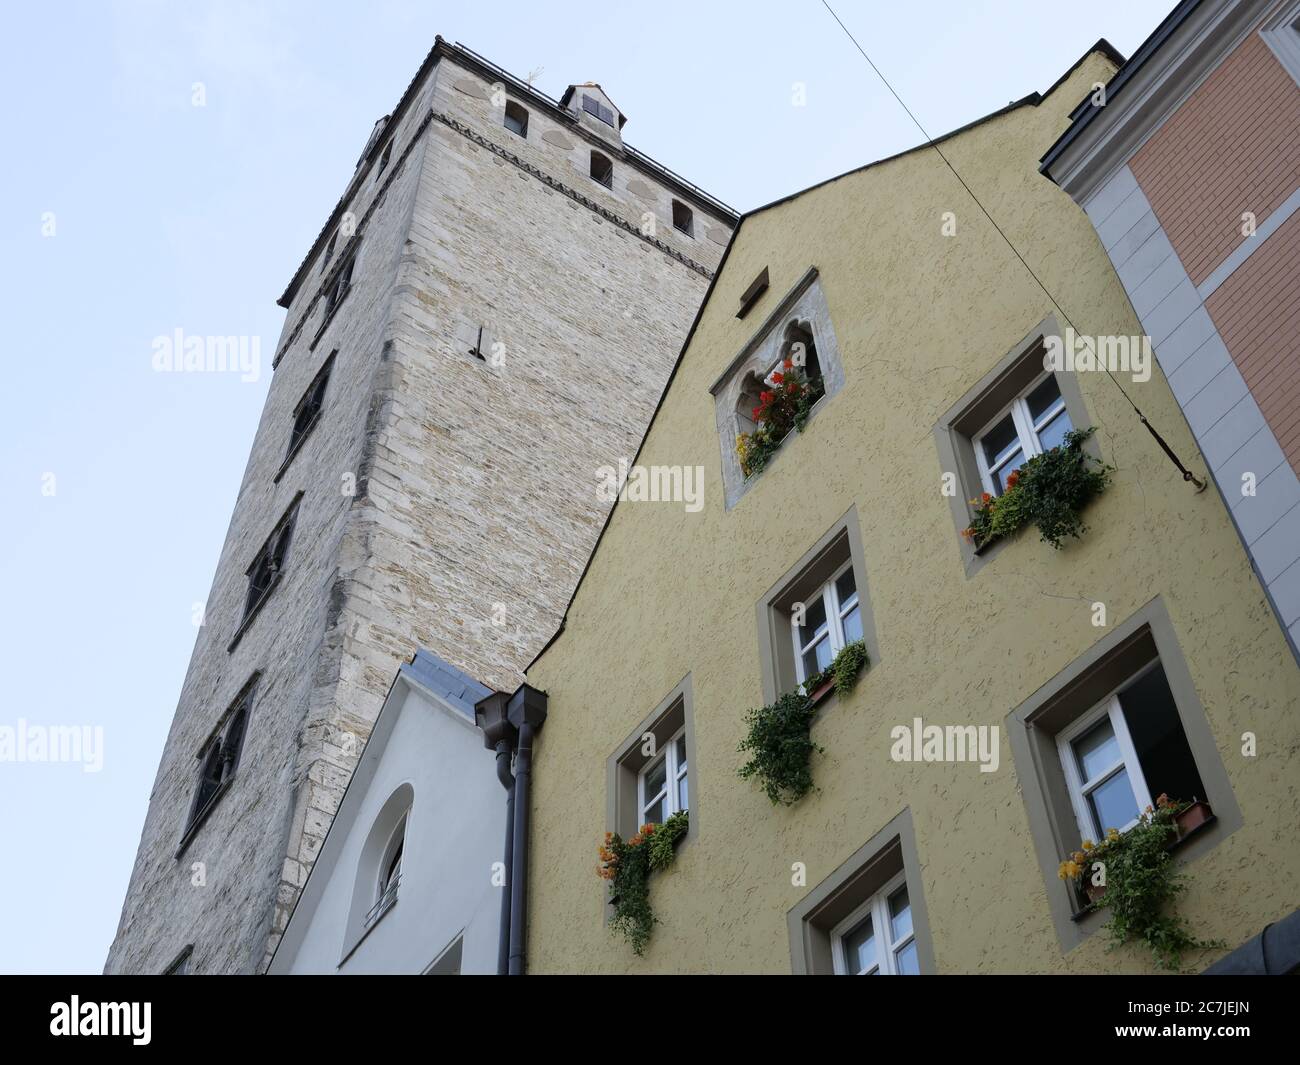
(1112, 834)
(1088, 844)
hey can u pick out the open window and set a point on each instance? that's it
(1100, 742)
(516, 119)
(602, 170)
(683, 219)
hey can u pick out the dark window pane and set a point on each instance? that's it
(1040, 400)
(1158, 737)
(1000, 441)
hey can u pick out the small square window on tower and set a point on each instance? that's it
(683, 219)
(516, 119)
(602, 170)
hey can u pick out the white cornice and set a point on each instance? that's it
(1168, 77)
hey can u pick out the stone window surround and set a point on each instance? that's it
(675, 712)
(859, 877)
(197, 816)
(326, 370)
(843, 541)
(289, 517)
(954, 432)
(1032, 727)
(805, 304)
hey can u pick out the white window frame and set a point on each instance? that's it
(886, 948)
(676, 771)
(1078, 787)
(1282, 35)
(1027, 430)
(835, 612)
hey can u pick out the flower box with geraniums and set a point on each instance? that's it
(779, 740)
(627, 866)
(1132, 875)
(782, 408)
(1050, 490)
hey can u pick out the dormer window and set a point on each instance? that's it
(683, 219)
(597, 109)
(602, 170)
(516, 119)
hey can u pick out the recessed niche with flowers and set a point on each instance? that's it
(773, 388)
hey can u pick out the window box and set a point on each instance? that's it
(1185, 823)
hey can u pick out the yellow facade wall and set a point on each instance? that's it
(920, 318)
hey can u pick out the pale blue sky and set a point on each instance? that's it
(173, 216)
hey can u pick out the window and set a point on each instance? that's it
(683, 219)
(217, 761)
(1124, 753)
(602, 170)
(383, 862)
(820, 605)
(647, 774)
(1034, 422)
(661, 785)
(383, 159)
(329, 251)
(878, 939)
(516, 119)
(340, 285)
(390, 874)
(1100, 741)
(181, 966)
(751, 295)
(829, 620)
(798, 328)
(869, 916)
(306, 414)
(1014, 412)
(597, 109)
(264, 572)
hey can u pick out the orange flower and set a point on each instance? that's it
(985, 497)
(777, 378)
(788, 364)
(968, 533)
(1012, 478)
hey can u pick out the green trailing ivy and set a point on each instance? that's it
(781, 748)
(1050, 490)
(846, 667)
(1141, 885)
(627, 866)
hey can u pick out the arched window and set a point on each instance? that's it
(390, 872)
(746, 403)
(379, 869)
(602, 170)
(799, 339)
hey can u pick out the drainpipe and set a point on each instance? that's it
(527, 713)
(501, 736)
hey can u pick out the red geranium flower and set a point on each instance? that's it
(777, 378)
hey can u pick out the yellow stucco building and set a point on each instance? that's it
(1141, 657)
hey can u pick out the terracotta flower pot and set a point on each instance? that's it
(821, 691)
(1193, 817)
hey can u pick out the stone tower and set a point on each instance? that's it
(488, 316)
